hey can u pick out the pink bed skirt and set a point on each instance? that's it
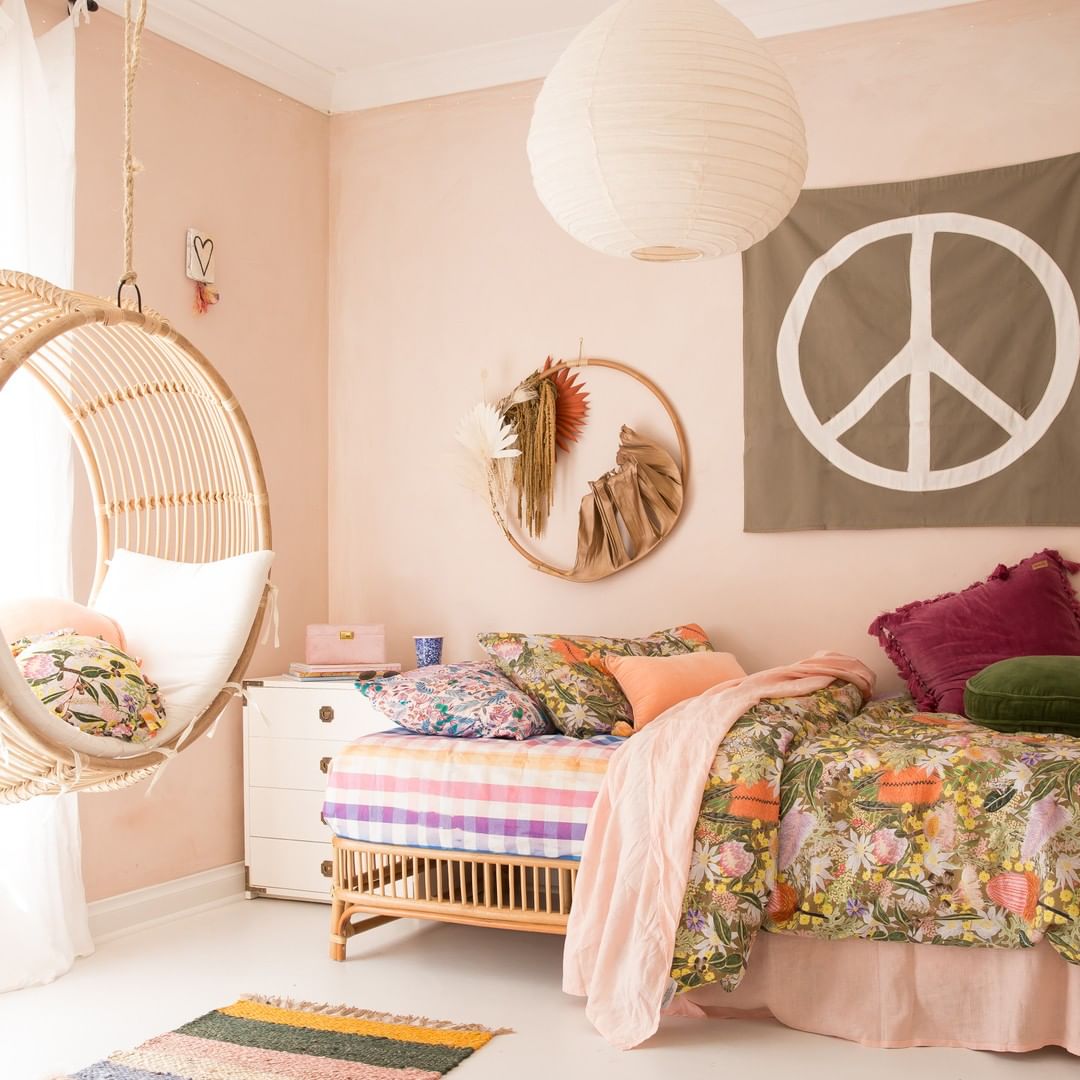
(898, 994)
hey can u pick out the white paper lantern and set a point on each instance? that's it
(667, 132)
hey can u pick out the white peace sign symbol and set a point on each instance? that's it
(922, 356)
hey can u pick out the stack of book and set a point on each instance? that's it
(346, 672)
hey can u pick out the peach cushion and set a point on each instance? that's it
(652, 684)
(35, 615)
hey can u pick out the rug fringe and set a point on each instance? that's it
(322, 1009)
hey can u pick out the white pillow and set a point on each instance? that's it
(187, 622)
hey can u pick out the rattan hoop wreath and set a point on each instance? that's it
(173, 472)
(684, 462)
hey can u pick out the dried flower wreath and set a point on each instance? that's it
(510, 453)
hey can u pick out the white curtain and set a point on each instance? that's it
(43, 917)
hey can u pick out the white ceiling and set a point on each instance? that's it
(341, 55)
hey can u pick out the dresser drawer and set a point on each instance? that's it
(286, 815)
(290, 763)
(289, 865)
(331, 714)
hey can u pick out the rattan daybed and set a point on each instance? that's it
(481, 831)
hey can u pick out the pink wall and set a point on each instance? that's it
(227, 155)
(443, 266)
(443, 263)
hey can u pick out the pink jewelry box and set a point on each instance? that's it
(340, 644)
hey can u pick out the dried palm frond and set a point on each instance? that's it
(488, 441)
(629, 509)
(571, 406)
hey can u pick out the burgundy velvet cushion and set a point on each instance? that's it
(1029, 609)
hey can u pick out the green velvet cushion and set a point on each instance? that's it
(1030, 693)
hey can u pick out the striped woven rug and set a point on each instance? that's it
(274, 1039)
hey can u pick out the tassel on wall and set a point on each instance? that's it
(206, 296)
(531, 412)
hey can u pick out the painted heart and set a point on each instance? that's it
(204, 252)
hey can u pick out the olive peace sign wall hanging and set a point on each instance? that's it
(911, 354)
(511, 449)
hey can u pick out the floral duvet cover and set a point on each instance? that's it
(826, 819)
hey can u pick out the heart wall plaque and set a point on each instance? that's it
(201, 263)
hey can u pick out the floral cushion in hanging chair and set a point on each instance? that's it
(91, 685)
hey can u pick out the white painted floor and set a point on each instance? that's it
(148, 983)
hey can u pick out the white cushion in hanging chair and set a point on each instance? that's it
(187, 622)
(189, 625)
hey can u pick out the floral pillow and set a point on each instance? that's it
(569, 676)
(469, 701)
(91, 685)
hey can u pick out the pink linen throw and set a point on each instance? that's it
(635, 863)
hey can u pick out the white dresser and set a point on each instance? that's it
(291, 732)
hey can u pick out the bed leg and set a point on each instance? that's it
(337, 928)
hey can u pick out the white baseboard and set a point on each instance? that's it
(141, 909)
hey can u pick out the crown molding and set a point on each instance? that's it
(197, 26)
(533, 57)
(773, 18)
(493, 64)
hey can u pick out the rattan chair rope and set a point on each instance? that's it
(173, 471)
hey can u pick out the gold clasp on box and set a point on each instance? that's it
(346, 635)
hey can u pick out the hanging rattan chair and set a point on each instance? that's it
(173, 472)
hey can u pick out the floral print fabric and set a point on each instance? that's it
(470, 701)
(91, 685)
(826, 821)
(568, 676)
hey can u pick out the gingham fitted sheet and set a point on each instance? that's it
(485, 795)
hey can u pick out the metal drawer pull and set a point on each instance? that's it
(327, 868)
(324, 764)
(326, 713)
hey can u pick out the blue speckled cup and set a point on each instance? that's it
(428, 650)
